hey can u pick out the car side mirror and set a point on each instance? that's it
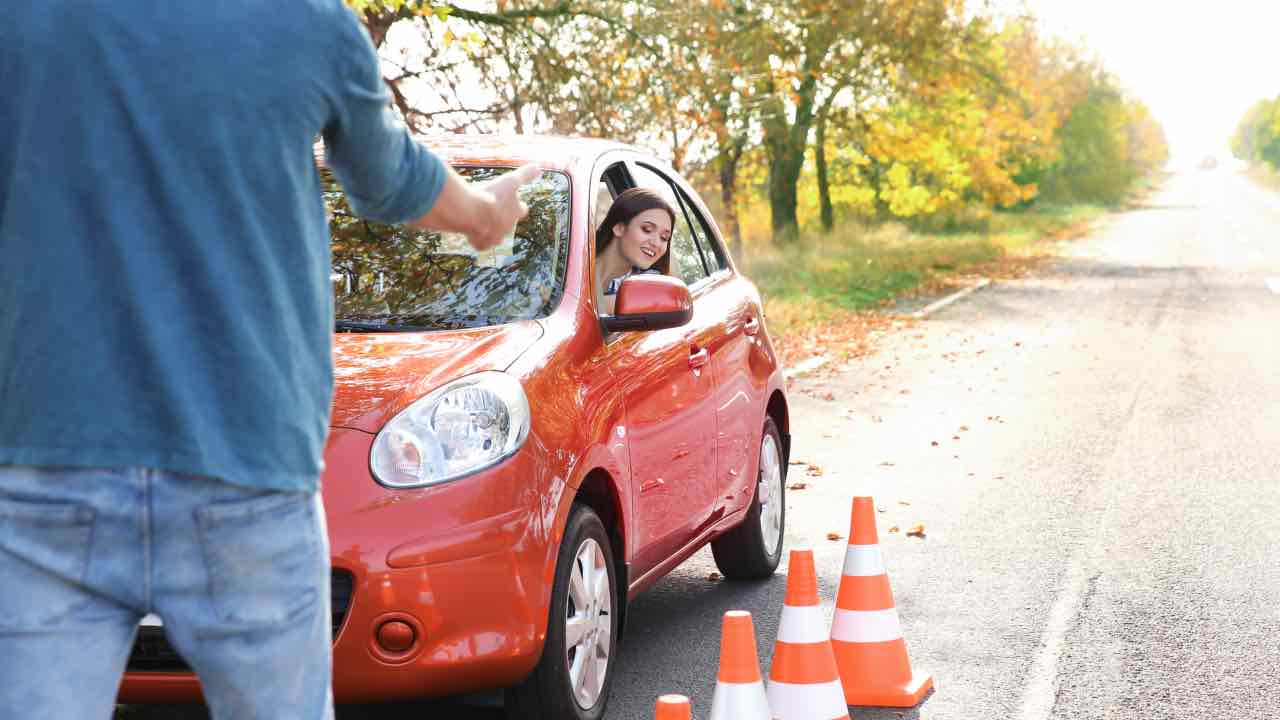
(649, 302)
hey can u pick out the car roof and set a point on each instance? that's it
(547, 150)
(553, 151)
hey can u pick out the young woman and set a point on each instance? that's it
(634, 238)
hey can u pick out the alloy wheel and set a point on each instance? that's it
(770, 493)
(588, 624)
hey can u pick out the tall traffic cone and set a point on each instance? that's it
(804, 683)
(865, 632)
(672, 707)
(739, 689)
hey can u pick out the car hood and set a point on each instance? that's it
(378, 374)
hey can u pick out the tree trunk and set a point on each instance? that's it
(729, 157)
(786, 142)
(824, 188)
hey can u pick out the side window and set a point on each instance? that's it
(604, 200)
(686, 259)
(711, 252)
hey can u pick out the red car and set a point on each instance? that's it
(507, 468)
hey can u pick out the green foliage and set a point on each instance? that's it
(1257, 137)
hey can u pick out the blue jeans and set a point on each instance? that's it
(240, 578)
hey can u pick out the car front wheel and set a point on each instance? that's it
(752, 550)
(572, 679)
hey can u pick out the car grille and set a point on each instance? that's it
(153, 653)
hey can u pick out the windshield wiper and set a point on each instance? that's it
(367, 326)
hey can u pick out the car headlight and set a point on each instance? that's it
(464, 426)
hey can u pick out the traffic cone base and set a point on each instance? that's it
(866, 635)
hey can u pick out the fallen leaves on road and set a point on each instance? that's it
(892, 529)
(903, 502)
(797, 486)
(934, 443)
(834, 536)
(813, 470)
(886, 463)
(798, 462)
(916, 531)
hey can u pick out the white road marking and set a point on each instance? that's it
(801, 368)
(1041, 690)
(939, 304)
(151, 620)
(1274, 284)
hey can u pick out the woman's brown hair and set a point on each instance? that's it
(630, 203)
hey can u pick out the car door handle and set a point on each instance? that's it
(752, 327)
(699, 358)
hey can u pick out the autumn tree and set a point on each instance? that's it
(1257, 136)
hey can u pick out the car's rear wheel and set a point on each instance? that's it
(752, 550)
(573, 677)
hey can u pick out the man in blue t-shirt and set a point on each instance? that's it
(165, 330)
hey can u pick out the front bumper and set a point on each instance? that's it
(466, 565)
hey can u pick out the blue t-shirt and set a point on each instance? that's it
(164, 256)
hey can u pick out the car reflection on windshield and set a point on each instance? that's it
(400, 278)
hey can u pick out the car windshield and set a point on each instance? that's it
(395, 277)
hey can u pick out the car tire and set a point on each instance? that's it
(752, 550)
(583, 626)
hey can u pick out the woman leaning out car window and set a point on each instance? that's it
(633, 239)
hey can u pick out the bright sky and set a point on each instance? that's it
(1198, 65)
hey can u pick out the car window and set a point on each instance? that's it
(604, 201)
(712, 255)
(686, 259)
(395, 277)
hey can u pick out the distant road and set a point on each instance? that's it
(1095, 455)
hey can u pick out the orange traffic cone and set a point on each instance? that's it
(865, 633)
(803, 681)
(739, 688)
(672, 707)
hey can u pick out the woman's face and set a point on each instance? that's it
(644, 240)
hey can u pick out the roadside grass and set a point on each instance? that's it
(823, 283)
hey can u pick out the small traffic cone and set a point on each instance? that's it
(739, 689)
(865, 632)
(804, 683)
(672, 707)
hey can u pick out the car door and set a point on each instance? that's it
(669, 395)
(736, 358)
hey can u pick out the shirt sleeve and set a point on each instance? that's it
(386, 175)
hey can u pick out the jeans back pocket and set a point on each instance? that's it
(262, 557)
(44, 557)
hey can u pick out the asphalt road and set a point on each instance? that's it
(1093, 452)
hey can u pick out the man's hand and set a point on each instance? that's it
(485, 213)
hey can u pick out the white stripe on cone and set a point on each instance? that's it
(863, 561)
(866, 626)
(807, 701)
(740, 701)
(802, 624)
